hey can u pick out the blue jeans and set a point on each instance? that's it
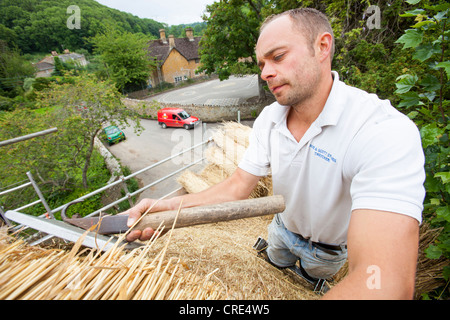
(286, 247)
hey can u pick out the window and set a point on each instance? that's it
(184, 115)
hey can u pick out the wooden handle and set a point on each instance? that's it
(226, 211)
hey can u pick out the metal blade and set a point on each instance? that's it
(105, 225)
(66, 231)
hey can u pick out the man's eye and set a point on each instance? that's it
(278, 57)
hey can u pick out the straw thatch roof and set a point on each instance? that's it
(35, 273)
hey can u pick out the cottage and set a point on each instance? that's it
(177, 58)
(46, 66)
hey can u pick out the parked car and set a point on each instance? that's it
(176, 117)
(114, 134)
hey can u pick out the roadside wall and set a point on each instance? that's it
(206, 113)
(111, 162)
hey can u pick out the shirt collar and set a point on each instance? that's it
(334, 106)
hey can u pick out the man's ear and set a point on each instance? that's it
(324, 44)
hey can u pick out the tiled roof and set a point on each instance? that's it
(187, 48)
(41, 66)
(70, 56)
(49, 61)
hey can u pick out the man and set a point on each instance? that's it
(348, 164)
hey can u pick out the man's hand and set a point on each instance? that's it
(236, 187)
(138, 210)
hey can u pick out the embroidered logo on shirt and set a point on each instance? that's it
(323, 154)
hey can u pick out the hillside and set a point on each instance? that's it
(41, 26)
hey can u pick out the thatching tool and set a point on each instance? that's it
(226, 211)
(72, 229)
(66, 231)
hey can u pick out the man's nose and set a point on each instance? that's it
(268, 72)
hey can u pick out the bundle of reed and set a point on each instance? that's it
(429, 274)
(225, 249)
(35, 273)
(230, 142)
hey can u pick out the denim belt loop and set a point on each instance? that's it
(310, 244)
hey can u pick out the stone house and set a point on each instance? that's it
(177, 58)
(46, 66)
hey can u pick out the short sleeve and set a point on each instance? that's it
(256, 159)
(386, 166)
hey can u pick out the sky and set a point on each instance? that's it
(172, 12)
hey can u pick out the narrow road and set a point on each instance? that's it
(155, 144)
(229, 92)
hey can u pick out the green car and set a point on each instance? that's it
(114, 134)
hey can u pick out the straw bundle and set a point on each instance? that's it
(230, 143)
(225, 248)
(429, 271)
(34, 273)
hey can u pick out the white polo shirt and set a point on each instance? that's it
(360, 153)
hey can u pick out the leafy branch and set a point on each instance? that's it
(424, 95)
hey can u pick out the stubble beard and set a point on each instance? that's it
(300, 90)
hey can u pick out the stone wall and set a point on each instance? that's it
(111, 162)
(206, 113)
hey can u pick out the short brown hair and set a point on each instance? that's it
(309, 21)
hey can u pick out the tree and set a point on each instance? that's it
(87, 106)
(13, 70)
(228, 43)
(55, 160)
(125, 56)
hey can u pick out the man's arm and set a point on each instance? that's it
(382, 256)
(236, 187)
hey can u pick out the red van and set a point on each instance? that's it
(176, 117)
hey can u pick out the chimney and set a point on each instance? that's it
(172, 41)
(162, 34)
(190, 34)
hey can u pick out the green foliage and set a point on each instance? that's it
(98, 176)
(231, 34)
(132, 186)
(13, 71)
(424, 94)
(229, 40)
(65, 164)
(88, 105)
(41, 26)
(125, 57)
(369, 58)
(179, 31)
(51, 158)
